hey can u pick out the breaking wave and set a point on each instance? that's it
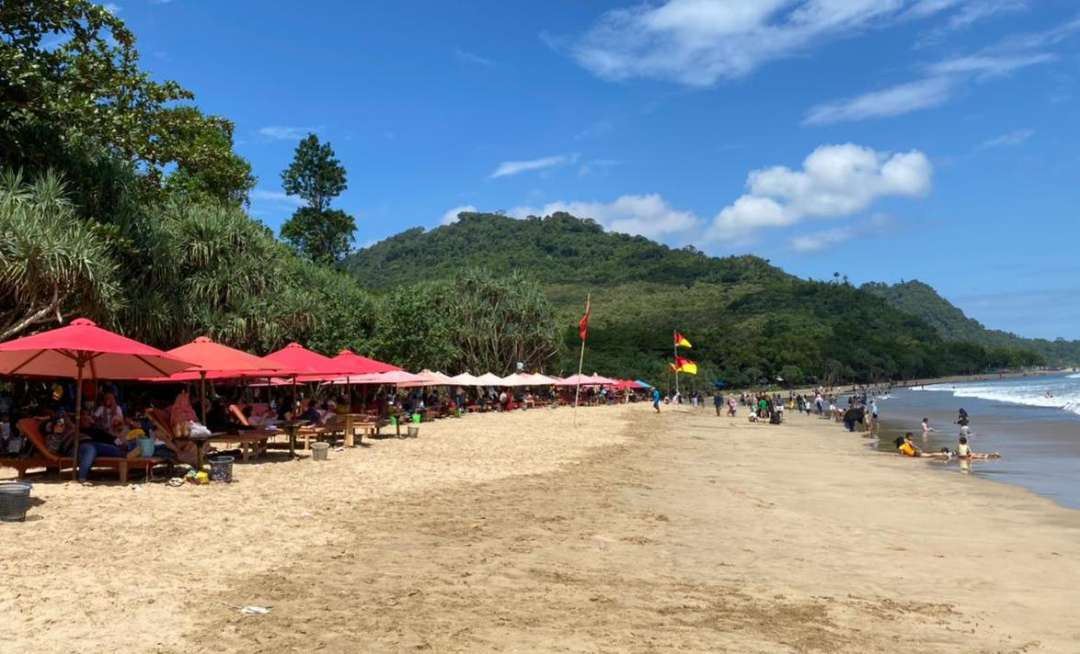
(1053, 393)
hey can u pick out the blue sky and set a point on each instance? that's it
(883, 139)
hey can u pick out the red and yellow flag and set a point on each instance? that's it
(685, 365)
(680, 341)
(583, 324)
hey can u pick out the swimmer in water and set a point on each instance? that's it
(904, 447)
(964, 452)
(926, 428)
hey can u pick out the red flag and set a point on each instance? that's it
(583, 324)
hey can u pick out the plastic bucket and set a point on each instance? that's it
(14, 501)
(414, 432)
(146, 447)
(393, 421)
(221, 468)
(320, 451)
(416, 418)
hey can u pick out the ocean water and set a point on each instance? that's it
(1034, 422)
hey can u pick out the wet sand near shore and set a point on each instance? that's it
(632, 532)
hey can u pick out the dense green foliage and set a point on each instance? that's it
(51, 263)
(317, 231)
(472, 321)
(557, 249)
(749, 321)
(921, 300)
(71, 85)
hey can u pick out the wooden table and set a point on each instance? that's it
(249, 440)
(362, 421)
(292, 428)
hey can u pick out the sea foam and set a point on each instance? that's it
(1051, 393)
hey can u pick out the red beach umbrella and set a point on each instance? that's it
(306, 363)
(80, 349)
(362, 365)
(216, 361)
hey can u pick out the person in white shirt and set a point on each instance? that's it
(108, 418)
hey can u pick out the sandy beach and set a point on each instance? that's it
(522, 532)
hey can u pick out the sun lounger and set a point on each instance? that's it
(185, 450)
(43, 458)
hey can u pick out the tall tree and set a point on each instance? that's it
(72, 85)
(315, 174)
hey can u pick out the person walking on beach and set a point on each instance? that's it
(718, 401)
(926, 428)
(656, 399)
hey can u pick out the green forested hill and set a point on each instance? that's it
(748, 320)
(557, 249)
(951, 323)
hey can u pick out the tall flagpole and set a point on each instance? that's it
(581, 358)
(675, 349)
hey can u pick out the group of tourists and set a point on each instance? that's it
(905, 445)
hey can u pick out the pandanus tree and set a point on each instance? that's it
(52, 265)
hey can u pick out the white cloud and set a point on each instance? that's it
(280, 198)
(591, 166)
(966, 14)
(699, 42)
(835, 181)
(1015, 137)
(972, 12)
(816, 241)
(822, 240)
(646, 215)
(285, 133)
(472, 58)
(451, 215)
(935, 89)
(987, 65)
(892, 101)
(508, 168)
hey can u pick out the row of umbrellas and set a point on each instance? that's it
(83, 350)
(518, 379)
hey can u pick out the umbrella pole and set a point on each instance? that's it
(202, 395)
(294, 397)
(78, 418)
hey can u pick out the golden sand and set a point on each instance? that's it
(518, 532)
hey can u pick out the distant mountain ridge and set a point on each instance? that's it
(749, 320)
(920, 299)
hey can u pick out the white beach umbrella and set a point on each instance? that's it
(489, 379)
(464, 379)
(541, 380)
(516, 379)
